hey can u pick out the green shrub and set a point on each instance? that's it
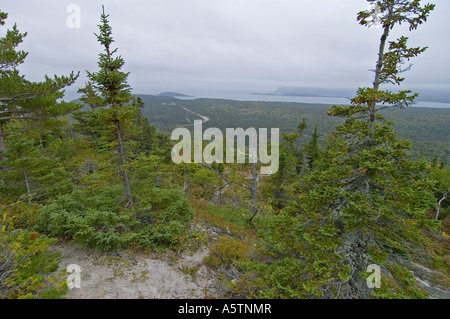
(169, 235)
(21, 215)
(26, 267)
(227, 250)
(94, 217)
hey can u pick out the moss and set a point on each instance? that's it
(190, 270)
(117, 264)
(114, 261)
(142, 278)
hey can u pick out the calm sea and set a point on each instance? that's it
(297, 99)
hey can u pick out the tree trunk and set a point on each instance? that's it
(377, 81)
(253, 192)
(304, 164)
(379, 67)
(88, 165)
(122, 163)
(41, 144)
(186, 187)
(438, 209)
(27, 185)
(2, 144)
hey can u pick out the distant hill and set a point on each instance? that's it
(296, 91)
(428, 95)
(173, 94)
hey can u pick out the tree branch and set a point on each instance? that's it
(29, 117)
(23, 96)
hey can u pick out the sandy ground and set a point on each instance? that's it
(126, 275)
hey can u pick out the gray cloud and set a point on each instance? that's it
(224, 44)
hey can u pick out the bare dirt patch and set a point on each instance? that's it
(131, 275)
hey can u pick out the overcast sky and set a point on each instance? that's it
(244, 45)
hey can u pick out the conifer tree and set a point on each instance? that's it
(366, 202)
(21, 99)
(113, 106)
(28, 111)
(292, 163)
(314, 148)
(378, 199)
(392, 55)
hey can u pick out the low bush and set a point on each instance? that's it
(26, 267)
(94, 217)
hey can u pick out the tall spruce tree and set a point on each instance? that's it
(366, 202)
(113, 107)
(378, 199)
(392, 55)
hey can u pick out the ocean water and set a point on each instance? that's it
(297, 99)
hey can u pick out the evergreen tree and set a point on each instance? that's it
(365, 203)
(388, 69)
(29, 123)
(292, 163)
(33, 170)
(24, 100)
(113, 106)
(314, 148)
(378, 199)
(28, 111)
(442, 178)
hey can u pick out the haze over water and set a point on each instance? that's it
(243, 96)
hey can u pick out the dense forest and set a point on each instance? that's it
(352, 193)
(427, 128)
